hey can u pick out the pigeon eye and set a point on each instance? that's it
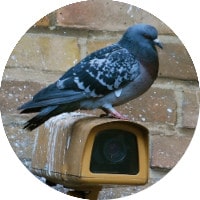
(147, 36)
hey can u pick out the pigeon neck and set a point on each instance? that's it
(151, 68)
(144, 52)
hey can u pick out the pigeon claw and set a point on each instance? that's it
(112, 113)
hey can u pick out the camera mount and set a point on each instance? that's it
(81, 152)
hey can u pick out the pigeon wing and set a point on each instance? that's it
(102, 72)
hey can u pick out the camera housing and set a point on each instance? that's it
(92, 151)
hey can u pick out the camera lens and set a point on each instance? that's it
(114, 150)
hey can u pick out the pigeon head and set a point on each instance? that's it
(140, 36)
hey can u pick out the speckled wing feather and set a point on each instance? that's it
(100, 73)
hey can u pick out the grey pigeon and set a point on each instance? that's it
(108, 77)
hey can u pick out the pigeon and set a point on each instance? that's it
(104, 79)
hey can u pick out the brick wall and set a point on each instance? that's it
(59, 40)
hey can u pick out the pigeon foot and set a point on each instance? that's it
(112, 113)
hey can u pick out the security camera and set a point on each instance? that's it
(87, 151)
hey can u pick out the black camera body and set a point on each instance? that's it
(89, 151)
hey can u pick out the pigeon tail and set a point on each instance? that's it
(47, 113)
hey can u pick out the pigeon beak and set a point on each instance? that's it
(158, 43)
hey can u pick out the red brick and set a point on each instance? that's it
(20, 140)
(15, 93)
(105, 15)
(166, 151)
(190, 109)
(156, 105)
(43, 21)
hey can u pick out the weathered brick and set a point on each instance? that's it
(22, 141)
(156, 105)
(15, 93)
(45, 52)
(175, 61)
(30, 75)
(106, 15)
(190, 109)
(166, 151)
(93, 45)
